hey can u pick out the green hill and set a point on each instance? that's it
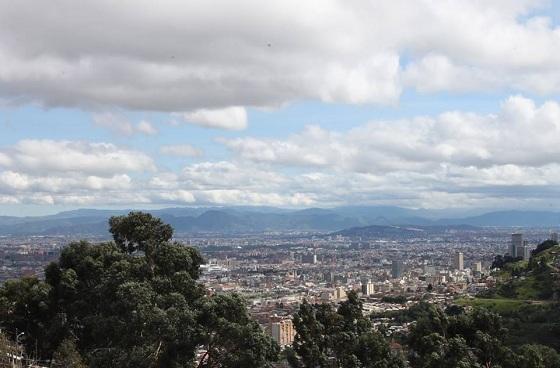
(536, 279)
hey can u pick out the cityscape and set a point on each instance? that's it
(280, 184)
(276, 272)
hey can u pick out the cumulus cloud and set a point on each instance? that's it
(217, 54)
(229, 118)
(520, 134)
(454, 159)
(50, 156)
(122, 126)
(181, 150)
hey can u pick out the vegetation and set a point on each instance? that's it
(339, 338)
(134, 302)
(471, 339)
(536, 279)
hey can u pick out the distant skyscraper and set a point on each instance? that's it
(554, 237)
(458, 261)
(523, 252)
(516, 241)
(397, 269)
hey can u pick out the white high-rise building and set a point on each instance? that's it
(459, 261)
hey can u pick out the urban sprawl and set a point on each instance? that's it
(275, 272)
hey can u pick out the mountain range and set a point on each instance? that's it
(260, 219)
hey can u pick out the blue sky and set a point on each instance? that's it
(427, 105)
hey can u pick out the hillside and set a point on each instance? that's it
(536, 279)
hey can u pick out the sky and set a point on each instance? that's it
(318, 103)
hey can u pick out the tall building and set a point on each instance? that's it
(283, 332)
(367, 287)
(523, 252)
(516, 241)
(397, 269)
(554, 237)
(310, 258)
(458, 261)
(339, 293)
(477, 266)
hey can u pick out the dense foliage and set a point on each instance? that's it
(471, 339)
(134, 302)
(339, 338)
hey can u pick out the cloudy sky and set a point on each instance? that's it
(424, 103)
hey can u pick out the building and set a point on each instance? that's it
(516, 241)
(367, 287)
(523, 252)
(283, 332)
(477, 267)
(397, 269)
(554, 237)
(339, 293)
(458, 261)
(310, 258)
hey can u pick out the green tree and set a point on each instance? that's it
(338, 338)
(474, 339)
(537, 356)
(134, 302)
(67, 356)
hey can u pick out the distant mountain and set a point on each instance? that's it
(509, 218)
(401, 231)
(379, 231)
(238, 219)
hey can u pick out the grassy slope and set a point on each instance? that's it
(529, 313)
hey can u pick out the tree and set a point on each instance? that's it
(67, 356)
(338, 338)
(547, 244)
(140, 231)
(231, 338)
(462, 339)
(134, 302)
(537, 356)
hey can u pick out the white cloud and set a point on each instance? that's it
(454, 159)
(146, 127)
(230, 118)
(520, 134)
(122, 126)
(19, 182)
(177, 196)
(4, 159)
(49, 156)
(217, 54)
(181, 150)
